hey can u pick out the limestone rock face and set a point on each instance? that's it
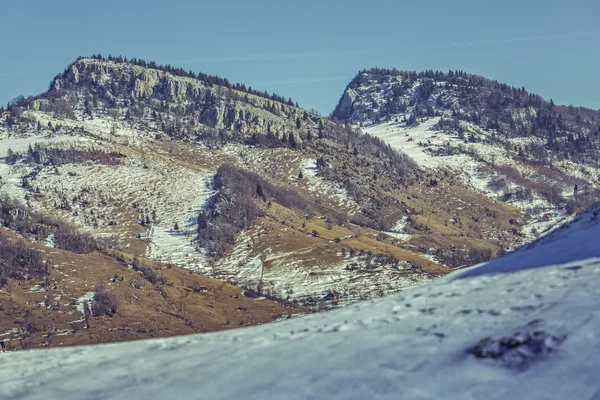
(145, 83)
(233, 117)
(40, 105)
(346, 104)
(215, 106)
(213, 116)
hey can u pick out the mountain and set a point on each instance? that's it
(189, 103)
(507, 329)
(501, 141)
(156, 167)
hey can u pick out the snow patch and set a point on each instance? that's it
(424, 335)
(79, 303)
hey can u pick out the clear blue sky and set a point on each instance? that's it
(310, 49)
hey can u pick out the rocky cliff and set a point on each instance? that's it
(158, 92)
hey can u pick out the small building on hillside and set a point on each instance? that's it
(332, 295)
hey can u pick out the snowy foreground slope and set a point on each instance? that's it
(413, 345)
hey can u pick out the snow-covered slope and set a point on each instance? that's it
(502, 142)
(579, 240)
(511, 332)
(436, 150)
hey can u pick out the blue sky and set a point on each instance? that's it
(309, 50)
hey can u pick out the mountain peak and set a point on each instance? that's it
(378, 94)
(139, 66)
(166, 98)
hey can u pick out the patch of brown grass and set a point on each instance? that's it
(145, 310)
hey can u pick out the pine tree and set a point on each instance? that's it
(11, 157)
(292, 140)
(259, 191)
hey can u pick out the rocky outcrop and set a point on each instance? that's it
(214, 106)
(145, 83)
(40, 105)
(344, 109)
(234, 117)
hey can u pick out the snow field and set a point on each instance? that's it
(412, 345)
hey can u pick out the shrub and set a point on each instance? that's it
(497, 185)
(105, 303)
(235, 206)
(17, 260)
(583, 200)
(152, 275)
(551, 191)
(67, 238)
(59, 156)
(455, 257)
(19, 218)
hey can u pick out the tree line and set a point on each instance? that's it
(237, 204)
(20, 219)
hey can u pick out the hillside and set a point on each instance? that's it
(99, 297)
(500, 141)
(191, 171)
(507, 329)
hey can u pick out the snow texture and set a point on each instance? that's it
(509, 329)
(321, 186)
(423, 142)
(165, 243)
(579, 240)
(89, 297)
